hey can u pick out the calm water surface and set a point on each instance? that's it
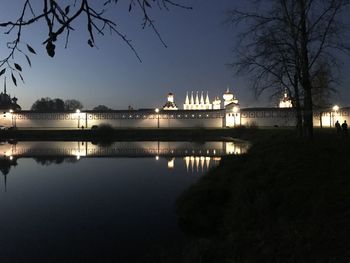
(82, 202)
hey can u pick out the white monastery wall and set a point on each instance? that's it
(267, 117)
(260, 117)
(117, 119)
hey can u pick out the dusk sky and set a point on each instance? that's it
(199, 47)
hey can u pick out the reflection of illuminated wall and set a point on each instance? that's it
(196, 164)
(198, 156)
(140, 148)
(236, 148)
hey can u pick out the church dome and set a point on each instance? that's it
(228, 96)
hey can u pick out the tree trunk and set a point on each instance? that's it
(308, 112)
(305, 74)
(298, 106)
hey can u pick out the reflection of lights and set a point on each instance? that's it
(157, 157)
(202, 162)
(187, 162)
(171, 163)
(78, 157)
(207, 162)
(77, 153)
(230, 148)
(11, 158)
(197, 163)
(192, 163)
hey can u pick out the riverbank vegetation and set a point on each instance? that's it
(287, 200)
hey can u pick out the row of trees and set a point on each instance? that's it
(50, 105)
(56, 105)
(292, 45)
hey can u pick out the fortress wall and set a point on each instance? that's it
(268, 117)
(286, 117)
(261, 117)
(118, 119)
(328, 119)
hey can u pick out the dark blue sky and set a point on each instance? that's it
(199, 47)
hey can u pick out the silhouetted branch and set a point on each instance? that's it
(58, 18)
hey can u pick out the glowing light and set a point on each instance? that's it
(335, 107)
(171, 163)
(157, 157)
(156, 110)
(11, 111)
(77, 111)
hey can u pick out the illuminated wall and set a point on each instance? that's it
(117, 119)
(231, 117)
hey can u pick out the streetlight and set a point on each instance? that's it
(11, 111)
(157, 111)
(78, 113)
(335, 109)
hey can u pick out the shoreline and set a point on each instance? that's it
(253, 135)
(197, 134)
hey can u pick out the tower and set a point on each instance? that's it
(228, 97)
(208, 106)
(187, 102)
(170, 104)
(285, 102)
(197, 102)
(216, 104)
(202, 106)
(191, 102)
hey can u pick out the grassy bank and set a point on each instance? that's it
(287, 200)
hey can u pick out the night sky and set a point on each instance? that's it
(199, 47)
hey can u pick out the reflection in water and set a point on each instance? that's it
(200, 163)
(5, 166)
(197, 156)
(98, 209)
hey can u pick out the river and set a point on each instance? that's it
(87, 202)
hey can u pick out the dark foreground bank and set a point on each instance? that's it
(287, 200)
(110, 134)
